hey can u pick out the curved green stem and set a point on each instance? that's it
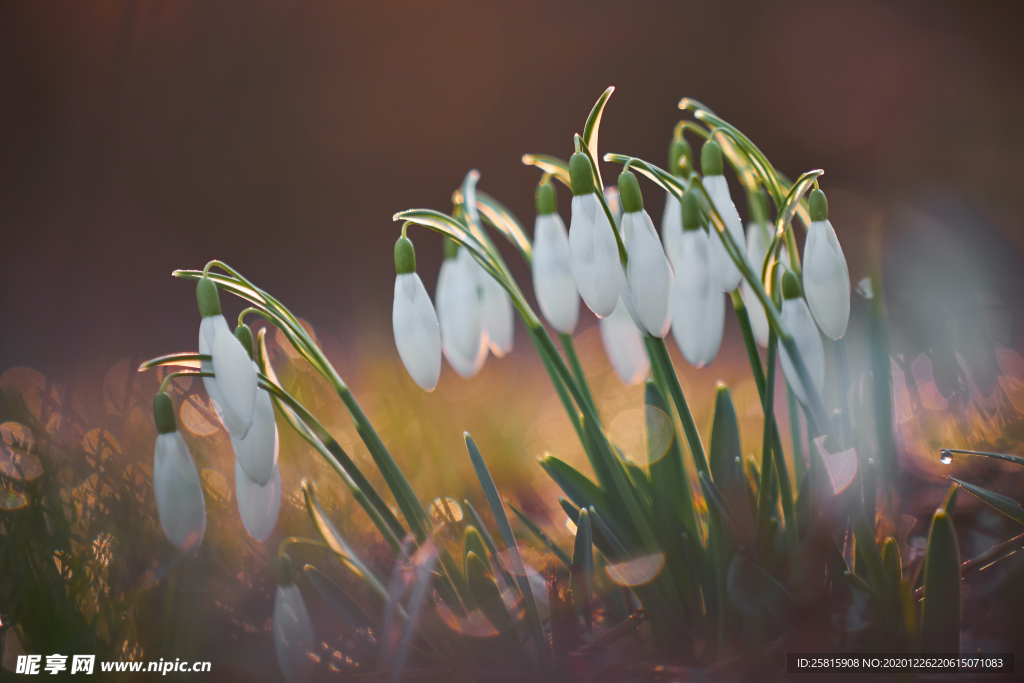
(172, 375)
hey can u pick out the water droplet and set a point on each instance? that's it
(945, 457)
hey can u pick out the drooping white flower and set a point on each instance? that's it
(826, 276)
(593, 251)
(417, 334)
(233, 387)
(718, 189)
(647, 291)
(552, 276)
(679, 154)
(698, 304)
(458, 313)
(497, 317)
(294, 640)
(624, 345)
(256, 454)
(757, 251)
(179, 494)
(258, 505)
(796, 318)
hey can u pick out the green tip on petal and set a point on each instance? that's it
(692, 218)
(581, 172)
(285, 573)
(819, 206)
(450, 247)
(547, 199)
(791, 288)
(244, 335)
(711, 158)
(680, 157)
(207, 298)
(163, 414)
(405, 256)
(629, 193)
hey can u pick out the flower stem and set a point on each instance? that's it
(665, 375)
(577, 370)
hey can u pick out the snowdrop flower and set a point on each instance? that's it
(497, 318)
(647, 291)
(798, 321)
(758, 240)
(698, 304)
(593, 250)
(672, 218)
(258, 504)
(458, 311)
(417, 334)
(624, 345)
(233, 386)
(552, 275)
(826, 276)
(257, 452)
(718, 189)
(179, 495)
(293, 631)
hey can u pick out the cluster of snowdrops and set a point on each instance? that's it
(640, 286)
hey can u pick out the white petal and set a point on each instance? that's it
(648, 294)
(798, 321)
(258, 505)
(231, 421)
(757, 250)
(624, 345)
(497, 319)
(594, 255)
(672, 228)
(552, 276)
(698, 304)
(826, 279)
(458, 315)
(235, 374)
(257, 452)
(725, 269)
(179, 495)
(293, 634)
(417, 333)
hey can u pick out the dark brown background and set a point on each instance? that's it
(138, 136)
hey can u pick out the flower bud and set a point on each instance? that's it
(711, 158)
(163, 414)
(825, 273)
(680, 157)
(791, 288)
(629, 192)
(581, 173)
(405, 256)
(244, 336)
(547, 199)
(207, 297)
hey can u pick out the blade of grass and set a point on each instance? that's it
(940, 617)
(1007, 506)
(562, 556)
(581, 572)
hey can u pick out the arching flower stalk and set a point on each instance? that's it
(698, 312)
(647, 290)
(593, 250)
(797, 319)
(727, 272)
(552, 275)
(825, 273)
(232, 389)
(417, 333)
(176, 486)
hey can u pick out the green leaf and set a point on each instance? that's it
(941, 613)
(495, 213)
(336, 543)
(891, 561)
(867, 551)
(549, 164)
(665, 375)
(491, 547)
(541, 536)
(581, 571)
(472, 542)
(362, 628)
(518, 568)
(577, 487)
(590, 130)
(949, 502)
(1005, 505)
(725, 456)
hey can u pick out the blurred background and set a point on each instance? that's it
(137, 137)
